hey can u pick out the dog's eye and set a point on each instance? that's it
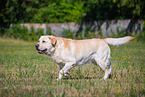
(43, 41)
(38, 41)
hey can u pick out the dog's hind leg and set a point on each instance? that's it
(106, 67)
(107, 72)
(103, 60)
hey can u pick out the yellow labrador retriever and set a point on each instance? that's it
(69, 53)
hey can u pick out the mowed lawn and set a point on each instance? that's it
(24, 72)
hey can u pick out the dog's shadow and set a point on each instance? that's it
(86, 78)
(77, 78)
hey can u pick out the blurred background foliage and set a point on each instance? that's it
(60, 11)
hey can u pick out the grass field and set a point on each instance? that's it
(24, 72)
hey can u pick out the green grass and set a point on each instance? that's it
(24, 72)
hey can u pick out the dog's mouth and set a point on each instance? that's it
(42, 51)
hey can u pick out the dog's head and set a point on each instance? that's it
(46, 44)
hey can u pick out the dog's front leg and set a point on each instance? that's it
(64, 70)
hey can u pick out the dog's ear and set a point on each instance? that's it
(53, 40)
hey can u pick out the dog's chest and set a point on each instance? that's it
(59, 58)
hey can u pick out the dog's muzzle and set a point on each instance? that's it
(40, 51)
(36, 46)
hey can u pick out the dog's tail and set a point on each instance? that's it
(118, 41)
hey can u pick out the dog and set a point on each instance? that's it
(68, 53)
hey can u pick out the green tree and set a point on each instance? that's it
(61, 12)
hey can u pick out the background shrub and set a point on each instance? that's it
(141, 35)
(68, 33)
(18, 31)
(21, 32)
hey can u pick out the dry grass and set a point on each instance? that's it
(24, 72)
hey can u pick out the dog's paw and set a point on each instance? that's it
(66, 75)
(58, 79)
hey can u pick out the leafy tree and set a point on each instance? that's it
(61, 12)
(114, 9)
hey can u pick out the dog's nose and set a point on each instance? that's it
(36, 45)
